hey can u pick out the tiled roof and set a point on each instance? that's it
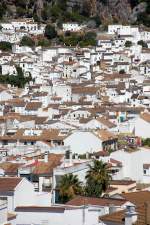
(146, 166)
(33, 105)
(80, 200)
(11, 216)
(54, 160)
(145, 116)
(39, 209)
(9, 183)
(118, 218)
(105, 135)
(10, 168)
(137, 198)
(122, 182)
(85, 90)
(106, 122)
(46, 135)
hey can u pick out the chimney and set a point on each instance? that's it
(68, 157)
(87, 155)
(130, 215)
(46, 157)
(76, 156)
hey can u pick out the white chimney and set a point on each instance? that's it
(130, 215)
(87, 155)
(68, 158)
(46, 157)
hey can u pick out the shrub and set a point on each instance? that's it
(27, 41)
(143, 44)
(128, 44)
(50, 32)
(5, 46)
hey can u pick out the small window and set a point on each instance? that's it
(145, 171)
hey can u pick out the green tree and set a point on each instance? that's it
(3, 9)
(21, 11)
(27, 41)
(97, 179)
(44, 42)
(122, 71)
(128, 44)
(143, 44)
(69, 187)
(89, 39)
(144, 18)
(5, 46)
(50, 32)
(18, 80)
(146, 142)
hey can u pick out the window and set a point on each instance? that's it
(145, 171)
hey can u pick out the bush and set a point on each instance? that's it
(122, 71)
(146, 142)
(89, 39)
(71, 40)
(50, 32)
(128, 44)
(27, 41)
(44, 42)
(2, 10)
(17, 81)
(144, 19)
(5, 46)
(143, 44)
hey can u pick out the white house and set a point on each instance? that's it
(5, 95)
(135, 165)
(72, 26)
(87, 141)
(18, 191)
(142, 125)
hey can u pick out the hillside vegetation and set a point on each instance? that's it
(98, 11)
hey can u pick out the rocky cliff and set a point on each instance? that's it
(125, 11)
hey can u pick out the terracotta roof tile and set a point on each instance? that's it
(145, 116)
(33, 105)
(81, 200)
(9, 183)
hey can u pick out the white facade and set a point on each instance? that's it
(132, 164)
(53, 216)
(81, 142)
(72, 27)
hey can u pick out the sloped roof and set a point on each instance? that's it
(54, 160)
(106, 135)
(33, 105)
(105, 121)
(81, 200)
(145, 116)
(137, 198)
(9, 183)
(10, 167)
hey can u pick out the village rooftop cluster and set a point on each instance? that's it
(80, 105)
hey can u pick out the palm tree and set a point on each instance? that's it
(69, 187)
(97, 179)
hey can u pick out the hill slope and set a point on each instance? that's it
(125, 11)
